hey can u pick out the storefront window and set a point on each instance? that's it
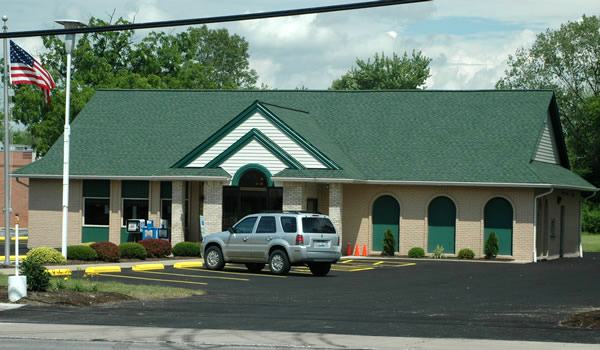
(135, 209)
(96, 211)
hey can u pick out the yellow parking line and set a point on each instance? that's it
(378, 263)
(196, 276)
(151, 279)
(407, 264)
(345, 261)
(365, 269)
(233, 273)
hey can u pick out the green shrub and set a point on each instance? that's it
(38, 279)
(81, 252)
(132, 250)
(438, 252)
(465, 253)
(107, 251)
(156, 248)
(389, 243)
(491, 246)
(590, 217)
(47, 255)
(416, 252)
(186, 249)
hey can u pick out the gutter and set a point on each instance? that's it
(149, 178)
(581, 223)
(535, 209)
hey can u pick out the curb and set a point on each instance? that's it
(101, 269)
(59, 272)
(12, 257)
(145, 267)
(182, 265)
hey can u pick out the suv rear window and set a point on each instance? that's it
(317, 225)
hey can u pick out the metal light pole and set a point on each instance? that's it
(6, 154)
(69, 45)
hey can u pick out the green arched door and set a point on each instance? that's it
(386, 215)
(441, 216)
(498, 218)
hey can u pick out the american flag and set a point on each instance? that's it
(25, 69)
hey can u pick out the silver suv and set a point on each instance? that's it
(281, 239)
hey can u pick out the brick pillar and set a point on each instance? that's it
(154, 203)
(213, 206)
(115, 219)
(177, 217)
(336, 206)
(293, 196)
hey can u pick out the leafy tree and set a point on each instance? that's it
(199, 58)
(396, 72)
(389, 243)
(567, 60)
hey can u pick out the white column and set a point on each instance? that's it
(177, 217)
(336, 206)
(213, 206)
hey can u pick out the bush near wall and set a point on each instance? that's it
(416, 252)
(186, 249)
(132, 250)
(156, 248)
(47, 255)
(590, 217)
(465, 253)
(107, 251)
(81, 252)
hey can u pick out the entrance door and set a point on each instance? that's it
(386, 215)
(441, 216)
(498, 218)
(252, 195)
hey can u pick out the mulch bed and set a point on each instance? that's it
(64, 297)
(590, 319)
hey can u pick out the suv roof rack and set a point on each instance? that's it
(289, 212)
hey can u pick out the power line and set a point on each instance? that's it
(208, 20)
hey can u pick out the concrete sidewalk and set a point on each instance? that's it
(260, 339)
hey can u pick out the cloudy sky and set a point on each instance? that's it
(468, 40)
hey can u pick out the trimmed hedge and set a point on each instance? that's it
(491, 246)
(47, 255)
(132, 250)
(156, 248)
(416, 252)
(107, 251)
(81, 252)
(465, 253)
(186, 249)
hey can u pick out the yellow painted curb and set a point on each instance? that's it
(145, 267)
(59, 272)
(101, 269)
(12, 257)
(182, 265)
(22, 238)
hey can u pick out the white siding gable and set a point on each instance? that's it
(257, 121)
(546, 150)
(253, 152)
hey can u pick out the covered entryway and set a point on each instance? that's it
(441, 216)
(498, 218)
(386, 215)
(252, 191)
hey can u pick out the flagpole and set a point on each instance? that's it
(6, 154)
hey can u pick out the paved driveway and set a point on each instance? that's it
(400, 298)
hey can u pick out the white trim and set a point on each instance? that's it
(120, 177)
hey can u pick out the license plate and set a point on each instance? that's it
(322, 244)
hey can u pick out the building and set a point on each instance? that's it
(20, 155)
(436, 167)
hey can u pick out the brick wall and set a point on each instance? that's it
(213, 206)
(19, 194)
(115, 219)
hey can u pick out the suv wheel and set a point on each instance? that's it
(319, 269)
(279, 262)
(213, 259)
(255, 267)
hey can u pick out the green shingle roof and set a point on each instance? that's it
(412, 136)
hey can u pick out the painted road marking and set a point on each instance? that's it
(151, 279)
(345, 261)
(378, 263)
(234, 273)
(196, 276)
(145, 267)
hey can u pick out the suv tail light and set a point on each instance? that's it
(299, 239)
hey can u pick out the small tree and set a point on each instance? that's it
(389, 243)
(491, 246)
(38, 279)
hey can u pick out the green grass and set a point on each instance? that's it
(3, 279)
(590, 243)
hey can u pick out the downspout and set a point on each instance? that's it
(581, 223)
(535, 221)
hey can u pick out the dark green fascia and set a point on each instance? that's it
(255, 134)
(240, 118)
(238, 175)
(559, 135)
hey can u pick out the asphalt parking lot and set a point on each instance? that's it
(449, 299)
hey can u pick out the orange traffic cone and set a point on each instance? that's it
(349, 250)
(364, 250)
(356, 251)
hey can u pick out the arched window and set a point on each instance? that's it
(441, 217)
(498, 218)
